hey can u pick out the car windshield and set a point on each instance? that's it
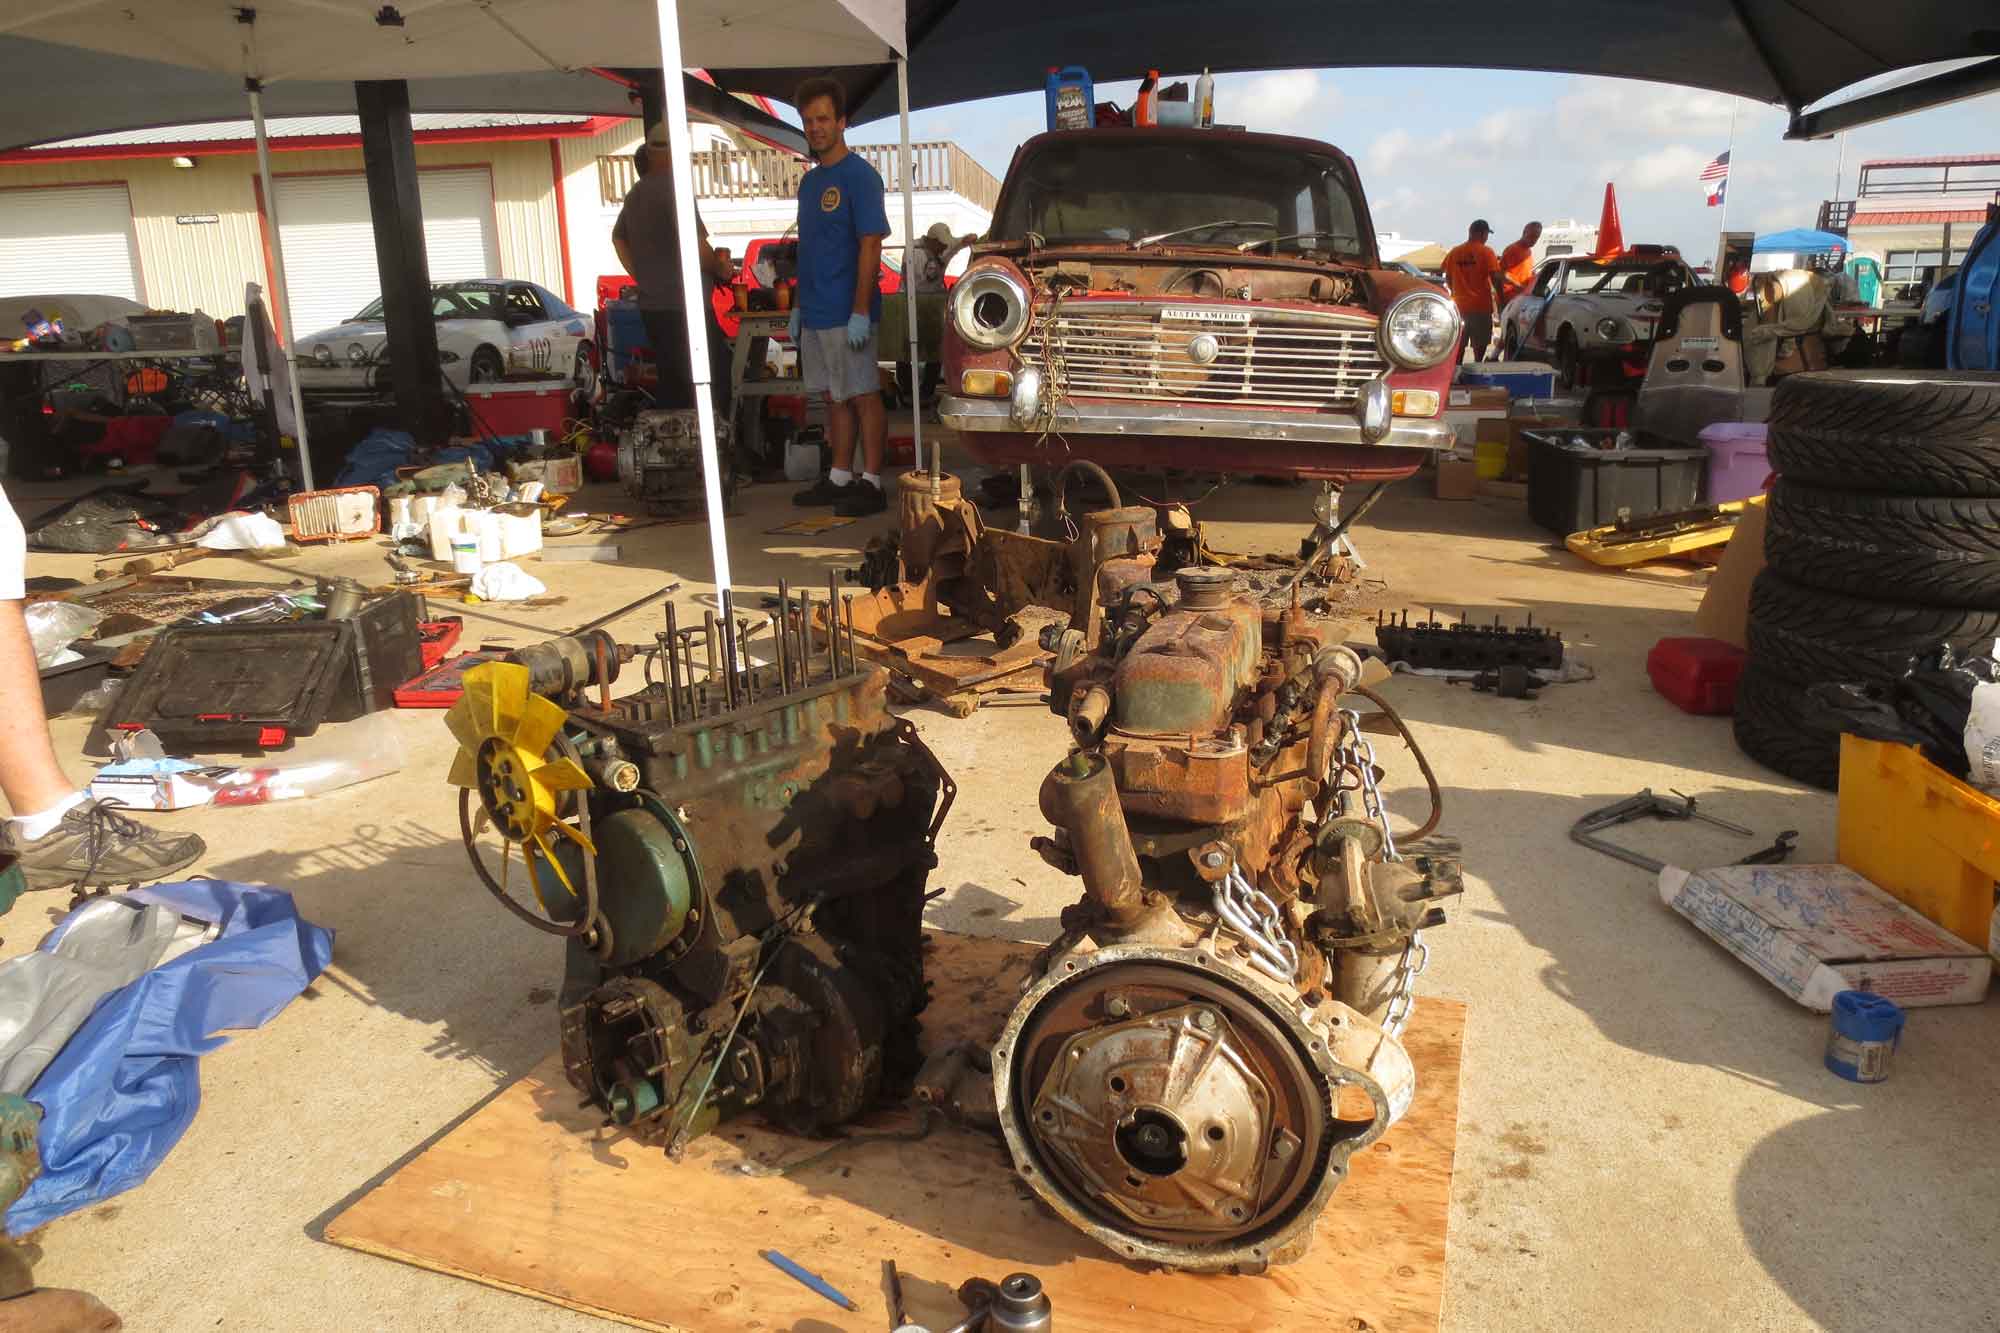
(1633, 278)
(449, 303)
(1120, 189)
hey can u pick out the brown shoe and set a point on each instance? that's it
(97, 847)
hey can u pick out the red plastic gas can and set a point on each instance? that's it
(1697, 675)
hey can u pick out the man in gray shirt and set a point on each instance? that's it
(647, 239)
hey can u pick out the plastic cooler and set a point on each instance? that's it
(1574, 485)
(1737, 464)
(1697, 675)
(1521, 379)
(1925, 838)
(516, 409)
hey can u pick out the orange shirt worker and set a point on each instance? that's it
(1473, 271)
(1517, 263)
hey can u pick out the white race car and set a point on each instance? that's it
(1580, 309)
(486, 330)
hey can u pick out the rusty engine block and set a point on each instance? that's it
(739, 858)
(1171, 1081)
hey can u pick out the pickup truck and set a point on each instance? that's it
(1203, 299)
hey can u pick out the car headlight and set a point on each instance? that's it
(322, 354)
(1614, 330)
(1420, 330)
(990, 309)
(356, 354)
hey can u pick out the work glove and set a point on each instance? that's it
(793, 324)
(857, 331)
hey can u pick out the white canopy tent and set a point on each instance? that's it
(320, 40)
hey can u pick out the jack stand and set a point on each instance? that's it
(1027, 521)
(1326, 520)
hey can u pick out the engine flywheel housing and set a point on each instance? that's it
(1176, 1108)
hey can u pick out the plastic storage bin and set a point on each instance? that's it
(1697, 675)
(1521, 379)
(1927, 839)
(1737, 465)
(1574, 486)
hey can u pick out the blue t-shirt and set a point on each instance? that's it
(838, 205)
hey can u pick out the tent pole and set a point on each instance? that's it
(910, 296)
(694, 289)
(281, 291)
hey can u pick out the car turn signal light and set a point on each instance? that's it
(1413, 403)
(987, 383)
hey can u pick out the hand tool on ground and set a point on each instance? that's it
(1645, 805)
(1778, 851)
(810, 1279)
(892, 1291)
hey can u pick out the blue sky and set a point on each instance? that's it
(1437, 148)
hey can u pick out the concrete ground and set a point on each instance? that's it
(1648, 1139)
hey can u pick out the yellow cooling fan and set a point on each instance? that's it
(504, 731)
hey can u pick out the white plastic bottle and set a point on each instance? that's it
(1204, 100)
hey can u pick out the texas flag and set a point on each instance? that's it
(1715, 179)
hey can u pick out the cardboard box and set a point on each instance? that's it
(1457, 478)
(1725, 608)
(1813, 931)
(1477, 399)
(1493, 430)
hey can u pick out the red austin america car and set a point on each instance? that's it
(1202, 299)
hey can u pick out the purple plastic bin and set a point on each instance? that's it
(1737, 467)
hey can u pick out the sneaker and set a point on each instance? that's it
(825, 491)
(96, 847)
(862, 499)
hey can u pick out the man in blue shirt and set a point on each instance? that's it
(839, 302)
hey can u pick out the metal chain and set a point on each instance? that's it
(1253, 915)
(1416, 957)
(1356, 753)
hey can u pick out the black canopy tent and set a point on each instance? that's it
(57, 92)
(1793, 53)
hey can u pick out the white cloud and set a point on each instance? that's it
(1677, 164)
(1278, 98)
(1387, 152)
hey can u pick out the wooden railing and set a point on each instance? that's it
(766, 173)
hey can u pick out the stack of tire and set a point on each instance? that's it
(1882, 543)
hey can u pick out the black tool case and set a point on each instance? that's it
(243, 687)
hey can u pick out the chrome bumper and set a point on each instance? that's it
(1195, 422)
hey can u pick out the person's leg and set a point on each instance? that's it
(30, 774)
(666, 331)
(874, 428)
(818, 373)
(59, 835)
(863, 385)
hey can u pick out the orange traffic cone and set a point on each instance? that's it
(1610, 236)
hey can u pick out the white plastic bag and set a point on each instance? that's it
(1982, 738)
(244, 532)
(506, 582)
(54, 626)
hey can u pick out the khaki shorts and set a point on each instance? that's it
(13, 553)
(831, 367)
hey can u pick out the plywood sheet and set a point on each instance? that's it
(530, 1194)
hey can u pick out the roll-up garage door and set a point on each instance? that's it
(330, 245)
(70, 239)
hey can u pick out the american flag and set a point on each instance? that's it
(1715, 178)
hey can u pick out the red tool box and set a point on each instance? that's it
(442, 684)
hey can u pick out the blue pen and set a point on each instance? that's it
(817, 1283)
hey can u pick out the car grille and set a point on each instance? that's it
(1262, 358)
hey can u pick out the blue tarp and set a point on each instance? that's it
(374, 461)
(124, 1089)
(1799, 241)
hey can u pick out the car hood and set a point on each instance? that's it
(362, 331)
